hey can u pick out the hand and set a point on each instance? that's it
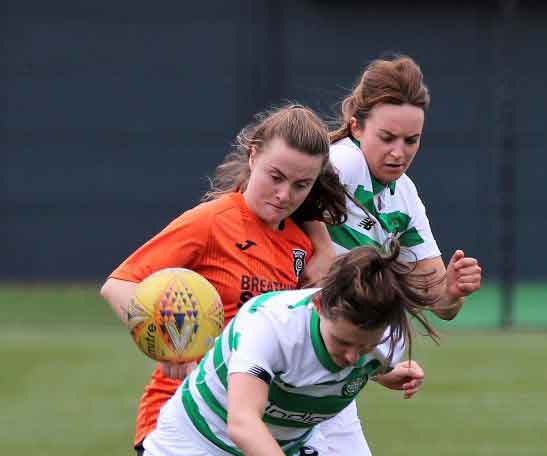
(406, 375)
(177, 371)
(318, 265)
(463, 275)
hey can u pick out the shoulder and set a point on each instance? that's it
(295, 234)
(280, 308)
(345, 152)
(406, 190)
(208, 212)
(406, 183)
(349, 161)
(230, 203)
(274, 321)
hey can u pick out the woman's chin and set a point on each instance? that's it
(272, 222)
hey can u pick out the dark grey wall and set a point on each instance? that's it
(114, 114)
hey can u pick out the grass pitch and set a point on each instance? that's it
(72, 377)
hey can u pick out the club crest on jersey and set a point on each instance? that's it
(352, 387)
(299, 257)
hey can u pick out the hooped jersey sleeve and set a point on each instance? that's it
(262, 360)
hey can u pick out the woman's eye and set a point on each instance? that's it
(411, 141)
(387, 139)
(276, 178)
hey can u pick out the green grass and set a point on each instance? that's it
(483, 309)
(484, 395)
(72, 377)
(68, 389)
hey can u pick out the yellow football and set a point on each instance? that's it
(175, 315)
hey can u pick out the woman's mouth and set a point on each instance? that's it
(278, 208)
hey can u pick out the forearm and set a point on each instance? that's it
(253, 437)
(447, 307)
(323, 253)
(389, 380)
(461, 277)
(318, 233)
(118, 293)
(406, 375)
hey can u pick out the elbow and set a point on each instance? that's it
(446, 315)
(104, 292)
(237, 430)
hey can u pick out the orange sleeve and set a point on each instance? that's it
(179, 244)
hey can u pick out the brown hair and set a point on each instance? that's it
(372, 289)
(302, 130)
(398, 81)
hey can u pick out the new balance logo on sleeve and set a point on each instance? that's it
(248, 244)
(367, 223)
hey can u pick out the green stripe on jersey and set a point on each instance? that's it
(302, 302)
(349, 238)
(233, 339)
(285, 423)
(208, 395)
(410, 238)
(326, 405)
(261, 300)
(318, 345)
(200, 423)
(392, 222)
(218, 361)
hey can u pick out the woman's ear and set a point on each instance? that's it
(355, 129)
(317, 304)
(252, 156)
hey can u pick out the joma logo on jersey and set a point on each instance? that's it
(248, 244)
(304, 417)
(299, 258)
(367, 223)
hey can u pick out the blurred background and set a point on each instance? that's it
(116, 112)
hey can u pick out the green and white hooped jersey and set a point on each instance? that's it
(395, 209)
(276, 337)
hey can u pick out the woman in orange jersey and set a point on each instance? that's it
(246, 237)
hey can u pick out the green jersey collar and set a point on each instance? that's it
(319, 346)
(377, 187)
(320, 349)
